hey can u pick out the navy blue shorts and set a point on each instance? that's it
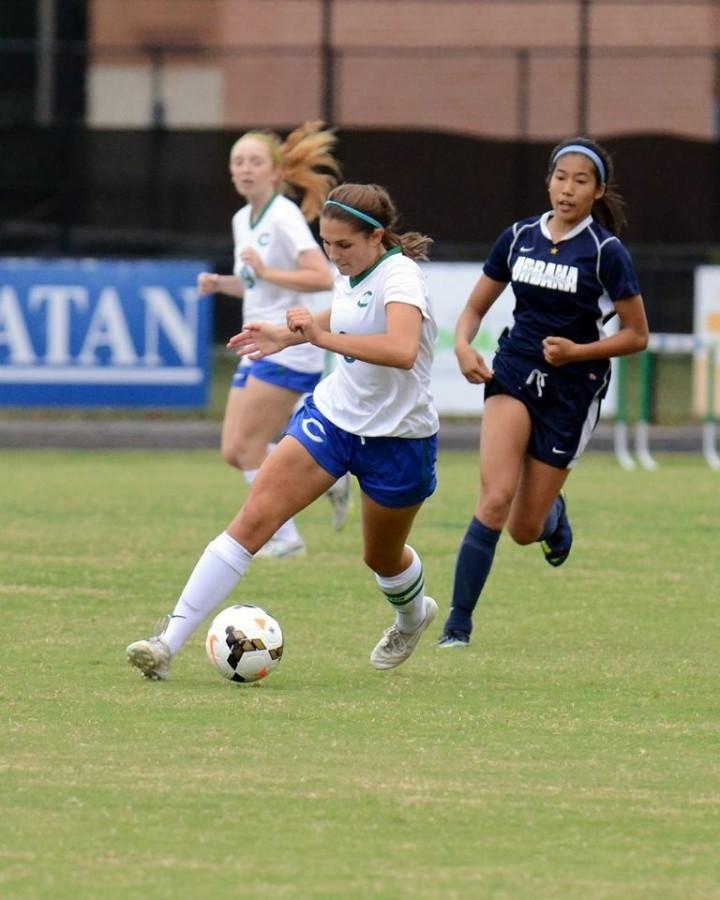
(392, 471)
(273, 373)
(564, 409)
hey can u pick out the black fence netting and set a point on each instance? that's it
(65, 191)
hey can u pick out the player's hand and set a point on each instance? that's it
(208, 283)
(559, 351)
(472, 365)
(251, 257)
(302, 321)
(258, 340)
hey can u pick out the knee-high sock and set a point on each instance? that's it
(406, 594)
(551, 523)
(216, 573)
(472, 568)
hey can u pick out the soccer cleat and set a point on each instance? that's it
(152, 657)
(395, 646)
(279, 549)
(339, 497)
(557, 547)
(453, 639)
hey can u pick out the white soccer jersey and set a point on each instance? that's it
(371, 400)
(279, 235)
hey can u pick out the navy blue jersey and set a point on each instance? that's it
(566, 289)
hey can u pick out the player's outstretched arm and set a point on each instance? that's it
(212, 283)
(260, 339)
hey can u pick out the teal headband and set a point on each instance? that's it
(355, 212)
(586, 151)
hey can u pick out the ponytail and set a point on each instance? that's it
(376, 210)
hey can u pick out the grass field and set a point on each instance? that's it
(572, 752)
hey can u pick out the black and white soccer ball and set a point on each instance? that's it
(244, 643)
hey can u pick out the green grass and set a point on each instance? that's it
(571, 752)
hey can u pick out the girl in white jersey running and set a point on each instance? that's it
(278, 264)
(372, 416)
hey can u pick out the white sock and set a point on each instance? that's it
(288, 532)
(250, 475)
(216, 573)
(406, 594)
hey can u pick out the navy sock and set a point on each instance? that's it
(551, 523)
(472, 568)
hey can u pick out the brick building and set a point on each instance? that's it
(531, 69)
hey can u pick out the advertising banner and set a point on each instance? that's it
(706, 360)
(450, 286)
(91, 332)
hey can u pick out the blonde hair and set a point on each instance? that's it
(374, 201)
(301, 159)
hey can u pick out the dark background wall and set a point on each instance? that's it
(70, 191)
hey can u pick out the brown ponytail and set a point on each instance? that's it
(301, 159)
(375, 202)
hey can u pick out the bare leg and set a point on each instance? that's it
(288, 481)
(254, 416)
(538, 487)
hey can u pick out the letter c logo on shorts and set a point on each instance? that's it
(306, 427)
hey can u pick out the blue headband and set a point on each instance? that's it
(586, 151)
(355, 212)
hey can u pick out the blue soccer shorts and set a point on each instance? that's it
(392, 471)
(273, 373)
(564, 407)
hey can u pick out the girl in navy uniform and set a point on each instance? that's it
(570, 274)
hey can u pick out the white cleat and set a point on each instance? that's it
(395, 646)
(279, 549)
(339, 497)
(152, 657)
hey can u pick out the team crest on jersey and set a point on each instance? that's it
(247, 275)
(547, 275)
(264, 238)
(364, 299)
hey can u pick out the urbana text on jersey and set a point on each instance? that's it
(545, 274)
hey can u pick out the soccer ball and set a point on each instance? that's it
(244, 643)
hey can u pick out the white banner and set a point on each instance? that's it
(450, 286)
(707, 332)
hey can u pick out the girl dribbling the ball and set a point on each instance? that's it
(372, 416)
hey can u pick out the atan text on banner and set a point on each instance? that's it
(91, 332)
